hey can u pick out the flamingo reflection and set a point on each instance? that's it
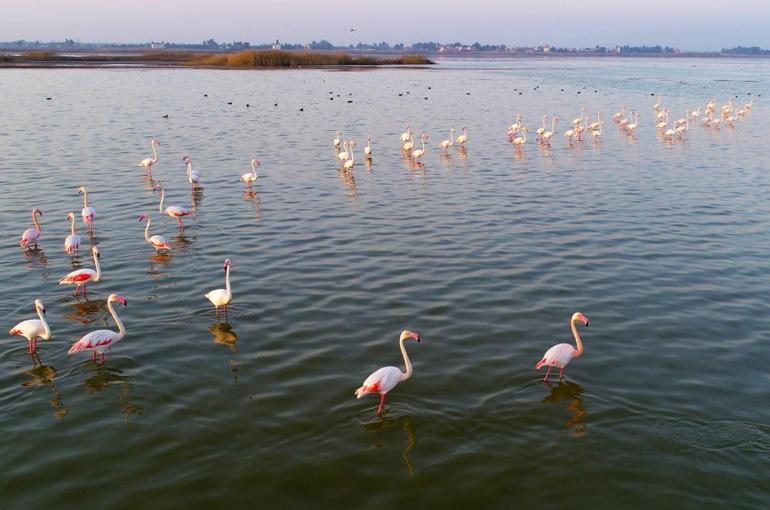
(223, 334)
(567, 391)
(105, 377)
(45, 375)
(405, 424)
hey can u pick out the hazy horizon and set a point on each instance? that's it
(688, 24)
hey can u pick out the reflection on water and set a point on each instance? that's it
(566, 391)
(196, 197)
(223, 334)
(404, 423)
(181, 242)
(85, 312)
(105, 377)
(45, 375)
(158, 264)
(251, 196)
(36, 258)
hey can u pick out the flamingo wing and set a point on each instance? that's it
(380, 381)
(94, 340)
(159, 242)
(29, 328)
(79, 276)
(177, 211)
(30, 236)
(557, 356)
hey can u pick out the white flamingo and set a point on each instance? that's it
(72, 241)
(222, 297)
(148, 162)
(407, 134)
(337, 139)
(541, 130)
(158, 242)
(350, 162)
(546, 138)
(249, 178)
(419, 153)
(193, 176)
(82, 277)
(102, 340)
(463, 138)
(173, 211)
(448, 143)
(32, 235)
(88, 213)
(32, 329)
(368, 148)
(561, 354)
(409, 145)
(386, 378)
(519, 141)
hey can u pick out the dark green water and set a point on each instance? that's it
(486, 252)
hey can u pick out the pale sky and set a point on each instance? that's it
(685, 24)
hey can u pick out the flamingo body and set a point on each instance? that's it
(32, 329)
(561, 354)
(101, 340)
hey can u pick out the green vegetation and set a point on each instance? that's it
(241, 60)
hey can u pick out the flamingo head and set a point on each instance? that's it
(255, 162)
(117, 297)
(39, 305)
(144, 217)
(577, 316)
(227, 264)
(70, 216)
(81, 189)
(186, 158)
(37, 211)
(154, 142)
(424, 136)
(406, 334)
(451, 130)
(95, 251)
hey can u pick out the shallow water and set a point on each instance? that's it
(486, 252)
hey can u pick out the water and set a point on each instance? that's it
(486, 252)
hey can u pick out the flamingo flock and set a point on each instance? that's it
(382, 380)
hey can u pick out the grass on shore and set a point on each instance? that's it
(243, 60)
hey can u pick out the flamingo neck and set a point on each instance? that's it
(254, 169)
(579, 351)
(160, 206)
(227, 281)
(118, 322)
(98, 269)
(553, 124)
(154, 154)
(408, 364)
(46, 330)
(147, 231)
(72, 225)
(34, 220)
(85, 198)
(189, 171)
(452, 137)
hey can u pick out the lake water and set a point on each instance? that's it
(486, 252)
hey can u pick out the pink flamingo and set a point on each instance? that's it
(102, 339)
(173, 211)
(193, 176)
(33, 329)
(148, 162)
(561, 354)
(82, 277)
(72, 242)
(88, 213)
(222, 297)
(156, 241)
(32, 235)
(386, 378)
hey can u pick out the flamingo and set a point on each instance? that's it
(569, 134)
(193, 176)
(249, 178)
(386, 378)
(749, 105)
(409, 145)
(337, 139)
(632, 126)
(82, 277)
(662, 124)
(148, 162)
(448, 143)
(350, 162)
(102, 339)
(561, 354)
(669, 134)
(32, 235)
(680, 130)
(419, 153)
(174, 211)
(343, 155)
(593, 126)
(657, 105)
(541, 130)
(463, 138)
(579, 129)
(695, 113)
(406, 135)
(88, 213)
(577, 120)
(519, 141)
(596, 133)
(156, 241)
(619, 115)
(546, 138)
(222, 297)
(368, 148)
(72, 242)
(32, 329)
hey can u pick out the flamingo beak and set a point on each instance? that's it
(42, 308)
(123, 301)
(415, 336)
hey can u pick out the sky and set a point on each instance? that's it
(686, 24)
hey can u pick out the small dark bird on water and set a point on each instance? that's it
(302, 109)
(247, 105)
(48, 99)
(205, 95)
(350, 101)
(331, 99)
(165, 116)
(276, 104)
(229, 102)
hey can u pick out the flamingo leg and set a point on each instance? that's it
(93, 356)
(561, 373)
(29, 347)
(382, 404)
(545, 379)
(77, 289)
(102, 356)
(34, 345)
(216, 309)
(85, 291)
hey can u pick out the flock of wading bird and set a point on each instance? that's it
(384, 379)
